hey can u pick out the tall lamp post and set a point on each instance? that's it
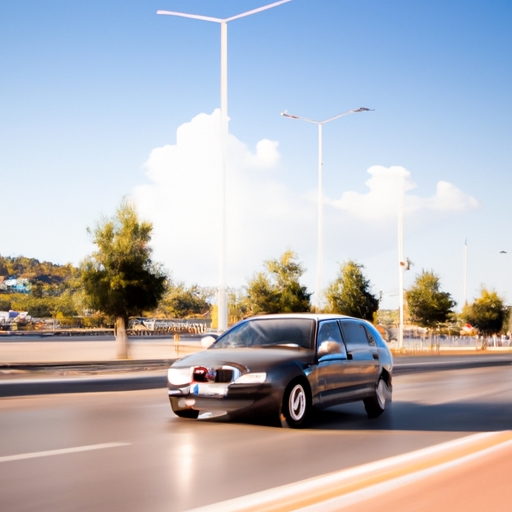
(401, 263)
(222, 296)
(320, 200)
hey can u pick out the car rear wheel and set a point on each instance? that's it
(296, 405)
(376, 405)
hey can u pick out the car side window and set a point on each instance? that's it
(330, 331)
(370, 336)
(354, 334)
(376, 336)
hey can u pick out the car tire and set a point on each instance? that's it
(187, 413)
(183, 413)
(376, 404)
(296, 406)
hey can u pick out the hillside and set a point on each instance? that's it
(21, 267)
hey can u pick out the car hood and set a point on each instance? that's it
(255, 359)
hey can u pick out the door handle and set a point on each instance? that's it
(375, 356)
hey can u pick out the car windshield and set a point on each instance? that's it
(269, 332)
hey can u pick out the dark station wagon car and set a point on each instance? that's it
(285, 365)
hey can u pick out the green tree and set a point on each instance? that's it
(507, 321)
(238, 307)
(428, 305)
(350, 293)
(180, 301)
(120, 279)
(5, 303)
(37, 307)
(278, 290)
(487, 313)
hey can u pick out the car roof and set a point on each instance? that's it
(312, 316)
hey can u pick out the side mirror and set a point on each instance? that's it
(207, 341)
(327, 348)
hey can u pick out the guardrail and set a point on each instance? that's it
(438, 343)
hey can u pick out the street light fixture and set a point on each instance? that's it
(318, 289)
(222, 297)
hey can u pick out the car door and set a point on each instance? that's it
(362, 354)
(332, 373)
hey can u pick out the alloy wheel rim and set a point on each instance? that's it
(297, 403)
(381, 393)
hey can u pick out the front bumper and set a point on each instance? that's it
(228, 399)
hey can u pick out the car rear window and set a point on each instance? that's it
(265, 332)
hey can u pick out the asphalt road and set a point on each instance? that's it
(125, 451)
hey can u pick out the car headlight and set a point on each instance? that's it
(179, 376)
(251, 378)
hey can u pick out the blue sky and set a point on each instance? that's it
(93, 95)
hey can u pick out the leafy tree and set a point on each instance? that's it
(487, 313)
(5, 303)
(238, 307)
(350, 293)
(507, 321)
(428, 305)
(278, 289)
(38, 307)
(120, 279)
(182, 302)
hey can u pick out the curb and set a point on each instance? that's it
(25, 387)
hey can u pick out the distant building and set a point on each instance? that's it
(15, 285)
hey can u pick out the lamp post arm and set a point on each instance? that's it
(285, 114)
(259, 9)
(221, 20)
(193, 16)
(354, 111)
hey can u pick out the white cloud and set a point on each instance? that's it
(381, 202)
(264, 216)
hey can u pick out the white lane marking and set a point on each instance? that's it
(280, 498)
(62, 451)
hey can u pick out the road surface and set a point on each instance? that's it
(125, 451)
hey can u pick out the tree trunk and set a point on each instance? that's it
(121, 338)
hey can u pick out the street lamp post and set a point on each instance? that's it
(222, 297)
(401, 263)
(320, 200)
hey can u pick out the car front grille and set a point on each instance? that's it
(224, 375)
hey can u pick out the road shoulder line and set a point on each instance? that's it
(341, 488)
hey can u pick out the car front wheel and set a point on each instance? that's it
(187, 413)
(376, 405)
(296, 405)
(183, 413)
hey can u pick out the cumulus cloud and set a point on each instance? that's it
(264, 216)
(182, 201)
(380, 203)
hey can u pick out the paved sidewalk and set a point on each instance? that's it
(34, 349)
(62, 350)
